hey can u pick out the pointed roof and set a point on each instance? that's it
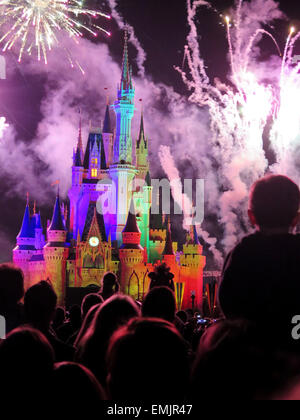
(126, 82)
(93, 218)
(169, 245)
(57, 220)
(192, 236)
(38, 224)
(196, 238)
(77, 161)
(142, 136)
(79, 148)
(131, 224)
(27, 228)
(93, 138)
(103, 156)
(107, 123)
(148, 179)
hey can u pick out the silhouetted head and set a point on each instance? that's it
(160, 303)
(147, 360)
(110, 285)
(75, 316)
(11, 285)
(89, 301)
(76, 388)
(182, 315)
(26, 363)
(274, 203)
(39, 304)
(161, 276)
(235, 361)
(112, 314)
(88, 319)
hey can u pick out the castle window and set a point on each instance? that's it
(94, 173)
(94, 161)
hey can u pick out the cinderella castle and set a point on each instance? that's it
(108, 224)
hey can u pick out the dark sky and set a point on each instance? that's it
(161, 27)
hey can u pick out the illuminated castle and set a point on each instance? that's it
(101, 231)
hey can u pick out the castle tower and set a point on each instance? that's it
(25, 248)
(169, 259)
(142, 162)
(124, 110)
(131, 254)
(122, 171)
(107, 134)
(193, 263)
(145, 216)
(39, 237)
(77, 178)
(56, 253)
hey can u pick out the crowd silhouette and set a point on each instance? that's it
(113, 348)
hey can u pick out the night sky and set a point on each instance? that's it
(160, 26)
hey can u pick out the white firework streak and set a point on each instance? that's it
(239, 114)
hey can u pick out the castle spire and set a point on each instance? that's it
(131, 224)
(107, 123)
(57, 220)
(27, 230)
(126, 82)
(142, 136)
(79, 149)
(169, 245)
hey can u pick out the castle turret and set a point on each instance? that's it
(131, 255)
(107, 134)
(77, 177)
(168, 252)
(142, 162)
(193, 263)
(122, 171)
(124, 110)
(39, 236)
(56, 252)
(25, 248)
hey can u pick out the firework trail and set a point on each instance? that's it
(240, 112)
(183, 200)
(37, 25)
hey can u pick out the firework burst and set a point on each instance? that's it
(36, 25)
(3, 126)
(241, 112)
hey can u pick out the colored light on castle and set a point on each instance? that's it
(83, 243)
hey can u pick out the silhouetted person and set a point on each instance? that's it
(59, 318)
(161, 276)
(235, 362)
(72, 325)
(147, 361)
(26, 364)
(86, 324)
(112, 314)
(110, 285)
(88, 302)
(160, 303)
(11, 292)
(39, 305)
(182, 315)
(75, 389)
(260, 279)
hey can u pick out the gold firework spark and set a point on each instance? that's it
(35, 24)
